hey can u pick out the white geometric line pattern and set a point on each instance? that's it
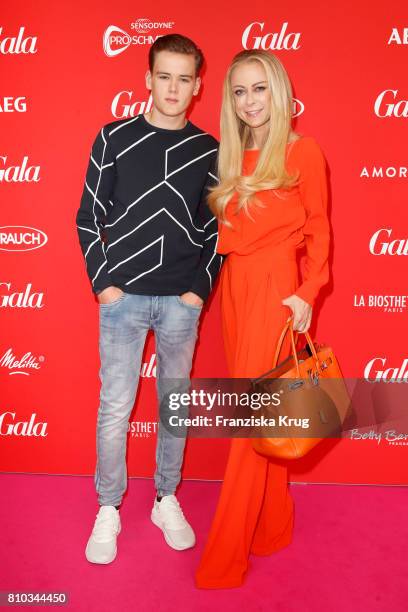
(190, 162)
(132, 280)
(109, 183)
(134, 144)
(149, 219)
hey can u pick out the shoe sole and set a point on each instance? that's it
(168, 541)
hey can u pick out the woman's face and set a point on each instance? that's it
(251, 93)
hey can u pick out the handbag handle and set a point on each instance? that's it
(289, 326)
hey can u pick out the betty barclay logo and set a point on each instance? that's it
(17, 44)
(381, 245)
(116, 40)
(392, 436)
(25, 364)
(142, 429)
(18, 238)
(385, 303)
(11, 426)
(256, 36)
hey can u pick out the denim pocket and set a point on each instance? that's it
(180, 301)
(122, 297)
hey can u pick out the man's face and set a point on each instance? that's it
(173, 82)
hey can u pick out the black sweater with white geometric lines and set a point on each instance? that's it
(144, 224)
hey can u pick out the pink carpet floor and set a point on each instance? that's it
(348, 551)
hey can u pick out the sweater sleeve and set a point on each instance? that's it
(93, 209)
(210, 261)
(316, 230)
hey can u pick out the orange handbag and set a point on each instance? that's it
(311, 388)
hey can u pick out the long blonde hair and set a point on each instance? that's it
(270, 172)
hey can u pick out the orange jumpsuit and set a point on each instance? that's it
(255, 509)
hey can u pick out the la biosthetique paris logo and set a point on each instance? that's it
(144, 32)
(383, 303)
(23, 365)
(11, 425)
(142, 429)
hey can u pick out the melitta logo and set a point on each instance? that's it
(21, 238)
(148, 369)
(397, 37)
(10, 427)
(142, 429)
(385, 105)
(116, 40)
(19, 44)
(123, 107)
(387, 303)
(384, 171)
(18, 174)
(21, 299)
(380, 246)
(373, 371)
(254, 38)
(20, 366)
(8, 104)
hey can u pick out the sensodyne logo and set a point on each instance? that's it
(14, 45)
(21, 238)
(116, 40)
(254, 37)
(24, 365)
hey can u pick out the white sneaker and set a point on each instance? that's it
(169, 517)
(101, 547)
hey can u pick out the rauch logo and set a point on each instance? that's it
(21, 238)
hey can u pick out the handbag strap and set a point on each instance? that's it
(289, 326)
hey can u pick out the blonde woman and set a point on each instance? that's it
(271, 200)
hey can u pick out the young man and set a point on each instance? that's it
(149, 242)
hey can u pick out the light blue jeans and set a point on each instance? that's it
(123, 325)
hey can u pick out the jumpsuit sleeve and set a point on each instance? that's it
(316, 230)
